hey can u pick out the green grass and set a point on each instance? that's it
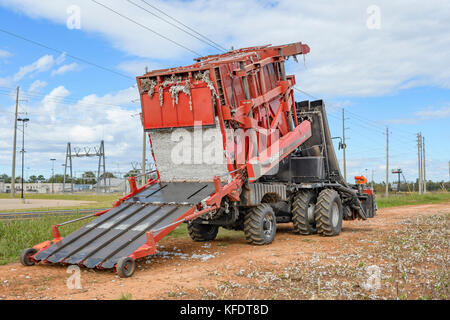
(20, 234)
(126, 296)
(412, 199)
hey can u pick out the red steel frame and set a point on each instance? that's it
(253, 94)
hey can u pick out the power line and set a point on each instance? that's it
(208, 42)
(64, 53)
(145, 27)
(61, 99)
(181, 23)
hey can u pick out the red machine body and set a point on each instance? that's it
(245, 92)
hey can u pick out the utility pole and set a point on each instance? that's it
(419, 156)
(344, 146)
(424, 167)
(372, 180)
(53, 173)
(13, 174)
(387, 163)
(24, 120)
(144, 151)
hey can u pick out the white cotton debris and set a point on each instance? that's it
(202, 257)
(190, 154)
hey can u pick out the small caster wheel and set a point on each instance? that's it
(25, 257)
(125, 267)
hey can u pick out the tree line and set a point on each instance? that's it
(87, 177)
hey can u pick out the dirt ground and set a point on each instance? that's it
(402, 253)
(17, 204)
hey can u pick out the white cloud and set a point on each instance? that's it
(5, 54)
(54, 121)
(43, 64)
(65, 68)
(430, 113)
(137, 67)
(425, 114)
(346, 58)
(61, 58)
(37, 85)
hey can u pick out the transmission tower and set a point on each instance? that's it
(86, 152)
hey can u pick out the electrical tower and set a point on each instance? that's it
(78, 153)
(399, 172)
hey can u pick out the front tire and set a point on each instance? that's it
(202, 232)
(260, 225)
(328, 213)
(303, 208)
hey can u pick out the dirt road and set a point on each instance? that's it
(402, 253)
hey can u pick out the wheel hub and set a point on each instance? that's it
(335, 214)
(268, 225)
(310, 212)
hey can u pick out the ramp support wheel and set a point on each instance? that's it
(25, 257)
(125, 267)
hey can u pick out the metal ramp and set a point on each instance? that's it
(122, 230)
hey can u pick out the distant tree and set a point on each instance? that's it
(33, 179)
(107, 175)
(132, 173)
(59, 178)
(5, 178)
(88, 177)
(41, 178)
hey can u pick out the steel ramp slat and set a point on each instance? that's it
(94, 230)
(138, 239)
(113, 234)
(124, 237)
(80, 232)
(98, 232)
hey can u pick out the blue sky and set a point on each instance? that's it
(396, 76)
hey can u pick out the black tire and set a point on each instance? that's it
(369, 207)
(302, 216)
(374, 205)
(25, 257)
(328, 213)
(125, 267)
(202, 232)
(260, 225)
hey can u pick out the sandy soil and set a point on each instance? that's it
(293, 267)
(17, 204)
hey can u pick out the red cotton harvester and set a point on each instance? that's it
(232, 149)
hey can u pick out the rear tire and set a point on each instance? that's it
(202, 232)
(125, 267)
(303, 208)
(260, 225)
(25, 257)
(328, 213)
